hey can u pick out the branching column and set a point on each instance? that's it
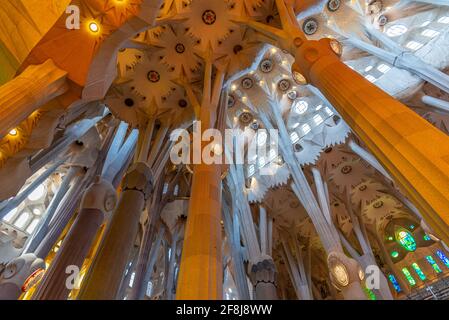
(200, 275)
(201, 270)
(402, 141)
(98, 200)
(106, 274)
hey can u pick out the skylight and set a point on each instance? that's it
(318, 119)
(305, 128)
(370, 78)
(414, 45)
(430, 33)
(383, 68)
(444, 20)
(300, 107)
(294, 137)
(396, 30)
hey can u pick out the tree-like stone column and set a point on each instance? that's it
(99, 200)
(401, 140)
(103, 280)
(263, 276)
(201, 268)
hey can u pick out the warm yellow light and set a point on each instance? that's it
(13, 132)
(299, 78)
(336, 47)
(93, 27)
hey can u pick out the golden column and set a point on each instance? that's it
(415, 153)
(201, 270)
(107, 270)
(34, 87)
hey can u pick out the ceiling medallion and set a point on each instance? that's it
(209, 17)
(346, 169)
(284, 85)
(292, 95)
(237, 48)
(336, 119)
(266, 66)
(247, 83)
(383, 20)
(298, 147)
(245, 118)
(378, 204)
(129, 102)
(180, 48)
(310, 26)
(255, 125)
(153, 76)
(333, 5)
(231, 101)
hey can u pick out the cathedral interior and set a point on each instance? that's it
(349, 99)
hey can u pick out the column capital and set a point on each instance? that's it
(344, 271)
(311, 51)
(100, 195)
(16, 273)
(139, 177)
(263, 270)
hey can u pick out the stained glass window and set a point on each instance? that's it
(443, 257)
(427, 237)
(408, 276)
(418, 271)
(369, 293)
(406, 240)
(433, 263)
(395, 283)
(394, 254)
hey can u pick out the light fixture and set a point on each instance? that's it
(300, 106)
(361, 274)
(396, 30)
(94, 27)
(261, 138)
(340, 274)
(37, 194)
(336, 47)
(13, 132)
(299, 78)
